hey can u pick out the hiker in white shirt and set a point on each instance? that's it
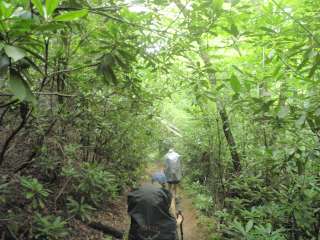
(173, 171)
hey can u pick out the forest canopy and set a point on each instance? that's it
(91, 91)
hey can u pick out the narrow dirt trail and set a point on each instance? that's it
(191, 228)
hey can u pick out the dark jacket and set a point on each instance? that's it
(148, 207)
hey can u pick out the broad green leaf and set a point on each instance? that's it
(235, 83)
(51, 5)
(6, 9)
(4, 62)
(29, 195)
(109, 75)
(234, 30)
(20, 88)
(39, 6)
(50, 26)
(105, 68)
(284, 111)
(14, 52)
(301, 120)
(249, 226)
(73, 15)
(276, 70)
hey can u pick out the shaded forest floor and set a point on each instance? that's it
(115, 215)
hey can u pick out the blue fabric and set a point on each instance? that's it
(159, 177)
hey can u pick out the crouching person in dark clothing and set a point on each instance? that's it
(149, 209)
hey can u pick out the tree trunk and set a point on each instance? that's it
(221, 109)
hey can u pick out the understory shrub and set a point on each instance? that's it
(49, 227)
(201, 197)
(91, 182)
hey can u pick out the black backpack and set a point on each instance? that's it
(148, 207)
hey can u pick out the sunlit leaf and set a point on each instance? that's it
(51, 5)
(73, 15)
(235, 83)
(14, 52)
(6, 9)
(39, 6)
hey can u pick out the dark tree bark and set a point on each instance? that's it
(230, 139)
(12, 135)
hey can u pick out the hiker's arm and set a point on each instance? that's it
(179, 219)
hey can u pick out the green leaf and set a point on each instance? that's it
(234, 30)
(299, 122)
(51, 5)
(217, 5)
(29, 195)
(41, 204)
(276, 70)
(249, 226)
(20, 88)
(235, 83)
(39, 6)
(284, 111)
(14, 52)
(6, 9)
(4, 62)
(73, 15)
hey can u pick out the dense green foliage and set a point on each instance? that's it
(76, 117)
(90, 90)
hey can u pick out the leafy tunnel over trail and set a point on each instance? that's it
(89, 88)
